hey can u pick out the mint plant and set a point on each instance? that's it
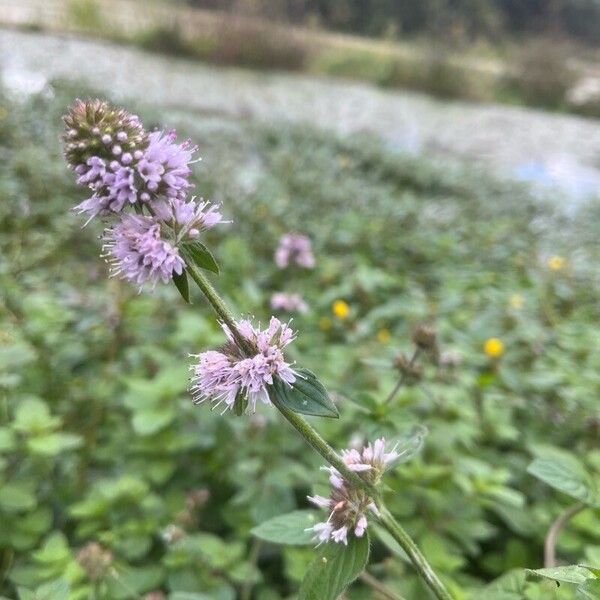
(139, 183)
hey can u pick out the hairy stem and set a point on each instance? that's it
(552, 535)
(403, 376)
(322, 447)
(418, 560)
(325, 450)
(217, 303)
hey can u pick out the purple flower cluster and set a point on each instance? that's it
(160, 170)
(294, 248)
(223, 376)
(347, 505)
(137, 253)
(288, 302)
(124, 166)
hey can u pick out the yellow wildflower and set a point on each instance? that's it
(384, 336)
(516, 301)
(340, 309)
(556, 263)
(493, 347)
(3, 113)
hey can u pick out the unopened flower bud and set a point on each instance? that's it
(95, 561)
(410, 370)
(197, 498)
(424, 337)
(86, 119)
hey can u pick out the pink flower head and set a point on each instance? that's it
(288, 302)
(137, 252)
(214, 379)
(222, 376)
(189, 218)
(372, 458)
(164, 166)
(294, 248)
(347, 505)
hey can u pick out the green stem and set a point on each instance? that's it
(322, 447)
(217, 303)
(325, 450)
(403, 376)
(418, 560)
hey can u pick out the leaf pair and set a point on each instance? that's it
(199, 255)
(334, 568)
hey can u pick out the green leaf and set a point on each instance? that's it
(200, 255)
(590, 590)
(595, 570)
(32, 416)
(334, 569)
(568, 574)
(52, 444)
(16, 497)
(7, 439)
(152, 420)
(307, 395)
(181, 283)
(566, 478)
(55, 549)
(288, 529)
(53, 590)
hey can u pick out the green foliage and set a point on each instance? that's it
(568, 476)
(100, 443)
(290, 529)
(334, 568)
(85, 14)
(307, 395)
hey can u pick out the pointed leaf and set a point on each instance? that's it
(307, 395)
(566, 478)
(181, 283)
(568, 574)
(334, 569)
(590, 590)
(288, 529)
(200, 255)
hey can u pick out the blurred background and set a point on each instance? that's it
(443, 158)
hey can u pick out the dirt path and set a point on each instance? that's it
(553, 150)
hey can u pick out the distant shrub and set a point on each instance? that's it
(256, 45)
(233, 42)
(542, 76)
(435, 75)
(166, 39)
(358, 64)
(84, 14)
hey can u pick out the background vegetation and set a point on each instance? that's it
(115, 486)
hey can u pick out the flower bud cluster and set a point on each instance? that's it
(126, 167)
(348, 505)
(95, 561)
